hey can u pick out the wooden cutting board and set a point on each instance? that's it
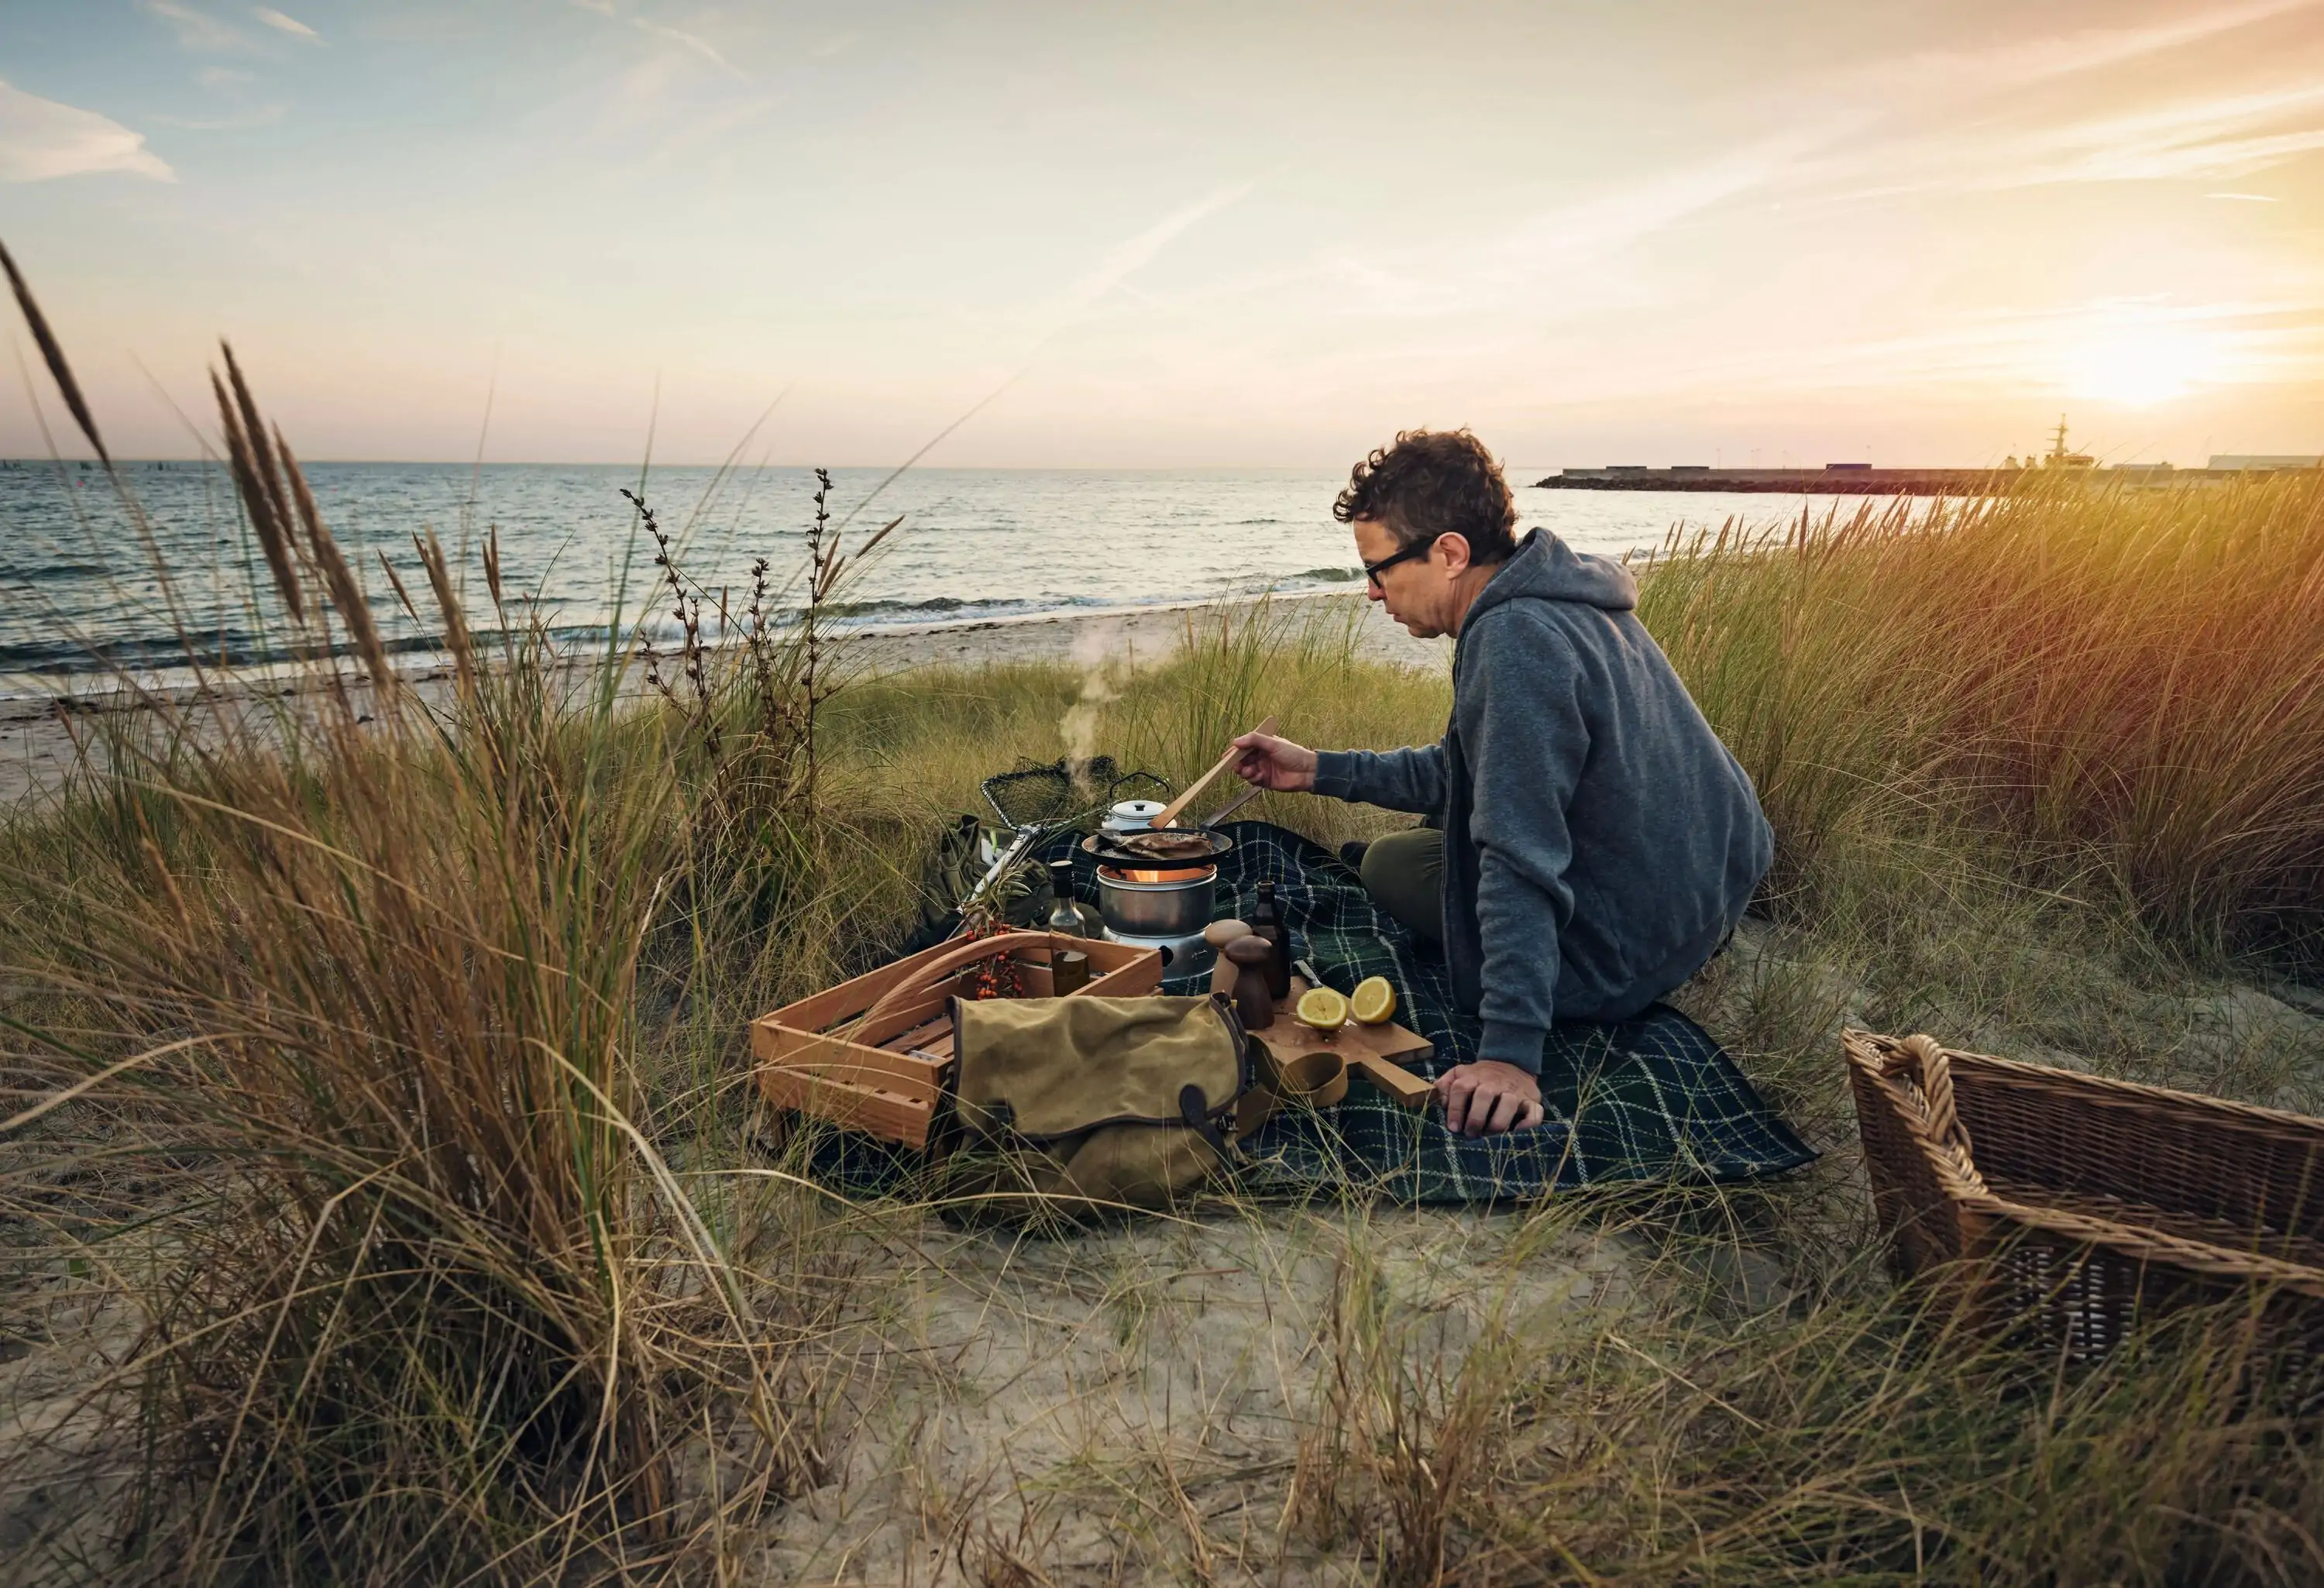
(1371, 1051)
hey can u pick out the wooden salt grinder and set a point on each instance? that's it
(1254, 1000)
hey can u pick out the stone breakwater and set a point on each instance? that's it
(1855, 480)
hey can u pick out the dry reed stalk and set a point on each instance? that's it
(258, 503)
(346, 591)
(447, 602)
(395, 583)
(360, 1012)
(52, 352)
(264, 463)
(443, 1263)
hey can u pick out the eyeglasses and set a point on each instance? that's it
(1372, 571)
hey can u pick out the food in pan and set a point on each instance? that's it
(1165, 845)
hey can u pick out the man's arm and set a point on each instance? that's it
(1409, 779)
(1399, 780)
(1522, 727)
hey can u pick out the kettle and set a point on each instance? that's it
(1132, 816)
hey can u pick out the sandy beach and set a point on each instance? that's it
(41, 739)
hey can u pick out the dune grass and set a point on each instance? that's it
(2129, 683)
(383, 1199)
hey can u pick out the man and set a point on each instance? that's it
(1590, 841)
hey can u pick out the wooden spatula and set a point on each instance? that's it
(1176, 808)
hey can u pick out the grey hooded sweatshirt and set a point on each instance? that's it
(1599, 842)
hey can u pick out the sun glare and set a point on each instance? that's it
(2138, 365)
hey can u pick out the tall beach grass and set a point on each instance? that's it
(2129, 682)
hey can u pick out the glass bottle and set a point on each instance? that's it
(1267, 921)
(1065, 915)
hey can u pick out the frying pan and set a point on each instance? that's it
(1158, 849)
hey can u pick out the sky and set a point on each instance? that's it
(1252, 233)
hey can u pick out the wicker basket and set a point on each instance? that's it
(2082, 1204)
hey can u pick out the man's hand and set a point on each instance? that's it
(1487, 1097)
(1274, 763)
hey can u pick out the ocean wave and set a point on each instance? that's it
(235, 647)
(849, 609)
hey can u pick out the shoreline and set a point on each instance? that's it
(38, 748)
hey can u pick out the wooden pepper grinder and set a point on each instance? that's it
(1223, 971)
(1254, 999)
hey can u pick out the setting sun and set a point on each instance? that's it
(2140, 364)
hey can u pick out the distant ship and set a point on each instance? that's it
(2058, 457)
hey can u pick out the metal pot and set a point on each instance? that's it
(1178, 908)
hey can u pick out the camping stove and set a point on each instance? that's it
(1164, 909)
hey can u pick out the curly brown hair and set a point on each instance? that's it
(1434, 483)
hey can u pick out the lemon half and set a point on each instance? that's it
(1322, 1008)
(1373, 1001)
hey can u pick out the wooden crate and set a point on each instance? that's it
(885, 1074)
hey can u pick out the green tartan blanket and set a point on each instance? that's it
(1653, 1097)
(1650, 1098)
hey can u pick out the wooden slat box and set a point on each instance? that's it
(886, 1074)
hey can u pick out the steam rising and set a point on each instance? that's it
(1099, 651)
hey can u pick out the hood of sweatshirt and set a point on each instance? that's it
(1546, 569)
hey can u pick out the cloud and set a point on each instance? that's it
(2245, 198)
(195, 30)
(2225, 157)
(1565, 261)
(2024, 63)
(1126, 258)
(41, 140)
(285, 24)
(695, 42)
(2124, 351)
(1846, 133)
(2226, 135)
(2218, 137)
(1615, 217)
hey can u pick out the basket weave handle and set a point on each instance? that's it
(1921, 1061)
(945, 964)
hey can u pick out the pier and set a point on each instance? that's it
(1862, 479)
(1847, 479)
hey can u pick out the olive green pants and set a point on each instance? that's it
(1403, 873)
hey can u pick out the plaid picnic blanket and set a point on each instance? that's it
(1648, 1098)
(1653, 1097)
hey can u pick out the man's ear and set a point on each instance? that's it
(1454, 545)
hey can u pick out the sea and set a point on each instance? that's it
(92, 586)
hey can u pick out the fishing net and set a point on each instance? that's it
(1067, 791)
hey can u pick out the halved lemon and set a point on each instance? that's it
(1322, 1008)
(1373, 1001)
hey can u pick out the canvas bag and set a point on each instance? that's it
(1081, 1104)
